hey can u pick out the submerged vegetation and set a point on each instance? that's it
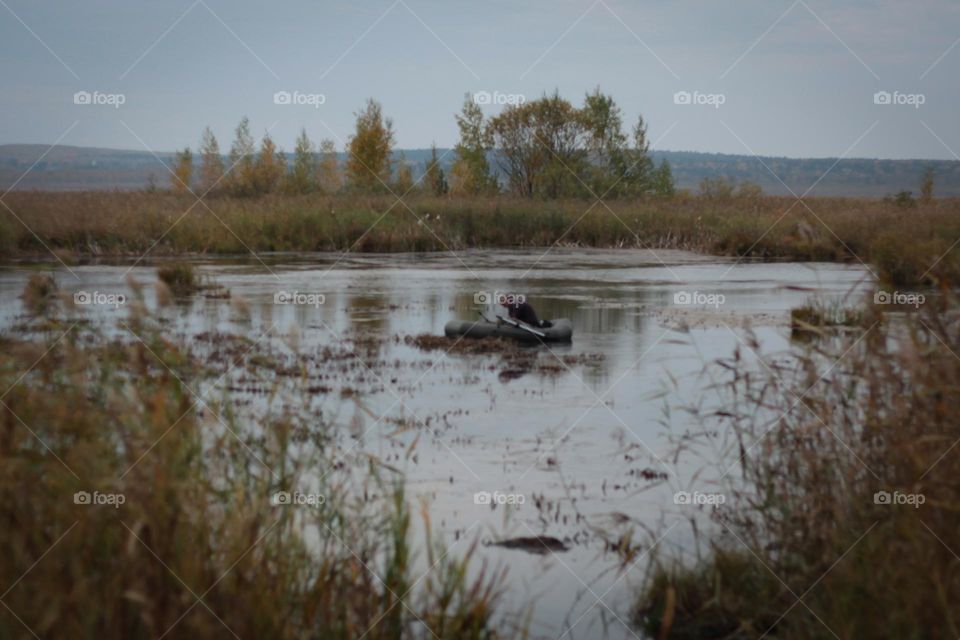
(842, 504)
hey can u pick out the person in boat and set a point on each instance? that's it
(522, 311)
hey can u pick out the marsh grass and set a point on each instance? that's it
(820, 441)
(196, 549)
(754, 226)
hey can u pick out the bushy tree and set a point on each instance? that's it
(471, 173)
(182, 172)
(302, 177)
(368, 166)
(211, 162)
(542, 147)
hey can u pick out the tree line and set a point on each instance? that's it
(547, 148)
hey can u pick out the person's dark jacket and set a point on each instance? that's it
(523, 312)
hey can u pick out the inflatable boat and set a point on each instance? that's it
(560, 330)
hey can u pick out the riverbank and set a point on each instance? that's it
(78, 225)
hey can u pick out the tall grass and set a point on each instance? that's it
(178, 535)
(820, 537)
(114, 223)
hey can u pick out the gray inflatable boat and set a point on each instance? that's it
(560, 330)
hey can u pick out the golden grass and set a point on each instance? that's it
(904, 242)
(807, 512)
(184, 541)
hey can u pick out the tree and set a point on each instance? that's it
(926, 187)
(369, 151)
(638, 177)
(436, 180)
(541, 147)
(302, 177)
(241, 179)
(663, 185)
(471, 172)
(182, 172)
(328, 173)
(270, 168)
(608, 159)
(211, 162)
(404, 178)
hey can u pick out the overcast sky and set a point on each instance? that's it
(773, 77)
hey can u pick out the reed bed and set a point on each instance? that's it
(909, 243)
(843, 505)
(130, 509)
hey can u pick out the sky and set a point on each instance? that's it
(796, 78)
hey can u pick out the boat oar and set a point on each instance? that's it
(523, 326)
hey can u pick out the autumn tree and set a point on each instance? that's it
(542, 147)
(369, 150)
(435, 181)
(211, 162)
(182, 172)
(471, 173)
(328, 173)
(270, 167)
(403, 182)
(241, 178)
(302, 177)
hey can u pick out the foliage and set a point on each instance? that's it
(191, 543)
(270, 167)
(182, 174)
(241, 177)
(470, 174)
(329, 175)
(302, 177)
(211, 162)
(845, 493)
(368, 167)
(435, 181)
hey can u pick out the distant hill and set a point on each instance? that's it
(89, 168)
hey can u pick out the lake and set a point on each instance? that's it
(578, 442)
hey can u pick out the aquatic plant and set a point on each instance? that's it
(136, 505)
(842, 504)
(747, 226)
